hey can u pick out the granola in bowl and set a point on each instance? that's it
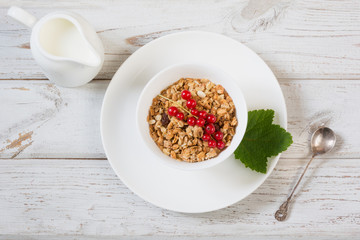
(184, 136)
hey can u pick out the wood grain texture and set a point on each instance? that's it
(298, 39)
(51, 197)
(56, 184)
(46, 121)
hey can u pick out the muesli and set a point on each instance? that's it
(192, 120)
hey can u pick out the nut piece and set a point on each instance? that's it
(211, 154)
(201, 94)
(198, 132)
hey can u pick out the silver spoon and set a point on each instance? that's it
(322, 141)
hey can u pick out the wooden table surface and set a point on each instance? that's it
(55, 180)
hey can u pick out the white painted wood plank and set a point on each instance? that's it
(51, 197)
(40, 120)
(298, 39)
(162, 237)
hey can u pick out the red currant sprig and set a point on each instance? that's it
(199, 118)
(213, 138)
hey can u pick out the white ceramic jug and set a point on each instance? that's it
(65, 46)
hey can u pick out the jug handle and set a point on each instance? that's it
(22, 16)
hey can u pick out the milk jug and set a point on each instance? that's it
(65, 46)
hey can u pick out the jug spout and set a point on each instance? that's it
(22, 16)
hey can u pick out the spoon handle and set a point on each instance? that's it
(281, 214)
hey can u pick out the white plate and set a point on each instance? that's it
(184, 191)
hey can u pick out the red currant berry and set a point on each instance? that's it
(180, 116)
(186, 94)
(218, 135)
(172, 111)
(200, 122)
(210, 128)
(206, 137)
(191, 103)
(202, 114)
(220, 144)
(191, 121)
(210, 118)
(194, 112)
(212, 143)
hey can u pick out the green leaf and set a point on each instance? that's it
(262, 139)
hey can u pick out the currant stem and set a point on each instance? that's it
(179, 105)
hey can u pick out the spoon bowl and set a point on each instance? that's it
(323, 140)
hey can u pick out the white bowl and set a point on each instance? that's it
(167, 77)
